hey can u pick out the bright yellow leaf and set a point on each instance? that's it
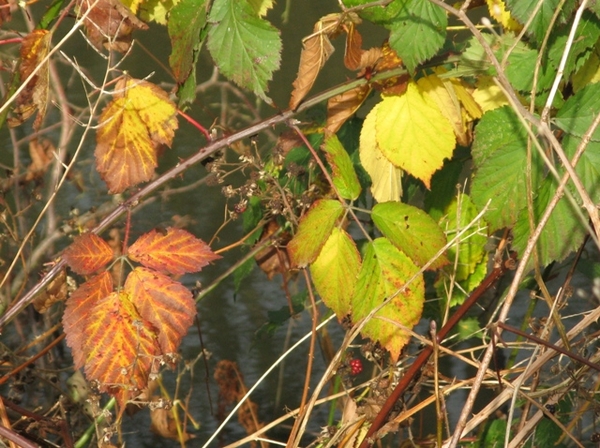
(413, 134)
(386, 178)
(261, 6)
(498, 11)
(488, 95)
(132, 126)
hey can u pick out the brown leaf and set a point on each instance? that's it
(343, 106)
(55, 292)
(109, 24)
(41, 152)
(34, 96)
(164, 425)
(5, 6)
(390, 60)
(316, 49)
(272, 259)
(353, 53)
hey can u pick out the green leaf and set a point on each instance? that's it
(335, 272)
(377, 14)
(443, 188)
(588, 167)
(576, 116)
(242, 272)
(314, 230)
(384, 271)
(495, 433)
(467, 328)
(246, 48)
(553, 245)
(412, 231)
(500, 159)
(418, 32)
(344, 176)
(523, 9)
(588, 32)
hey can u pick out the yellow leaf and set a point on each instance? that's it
(386, 178)
(132, 126)
(488, 95)
(156, 10)
(498, 11)
(261, 6)
(413, 134)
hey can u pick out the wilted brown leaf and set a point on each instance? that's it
(34, 50)
(41, 152)
(388, 61)
(5, 11)
(343, 106)
(109, 24)
(55, 292)
(273, 260)
(353, 53)
(164, 425)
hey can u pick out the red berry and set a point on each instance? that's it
(356, 366)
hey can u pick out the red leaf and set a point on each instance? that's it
(87, 254)
(77, 314)
(174, 252)
(166, 304)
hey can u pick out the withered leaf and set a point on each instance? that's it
(353, 53)
(388, 61)
(34, 96)
(109, 24)
(343, 106)
(40, 152)
(55, 292)
(5, 15)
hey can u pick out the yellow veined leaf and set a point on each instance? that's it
(385, 270)
(413, 134)
(488, 95)
(316, 49)
(498, 11)
(386, 178)
(335, 272)
(445, 96)
(132, 126)
(343, 174)
(314, 230)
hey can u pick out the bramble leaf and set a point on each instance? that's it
(174, 252)
(77, 314)
(384, 271)
(166, 304)
(500, 158)
(343, 106)
(343, 174)
(386, 178)
(413, 134)
(578, 112)
(522, 10)
(88, 253)
(418, 32)
(186, 21)
(123, 350)
(335, 272)
(498, 11)
(412, 231)
(245, 47)
(34, 49)
(132, 126)
(314, 230)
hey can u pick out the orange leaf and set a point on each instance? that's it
(173, 252)
(87, 254)
(316, 49)
(132, 127)
(34, 50)
(109, 24)
(124, 351)
(77, 313)
(166, 304)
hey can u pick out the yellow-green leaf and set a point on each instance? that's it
(335, 272)
(488, 95)
(132, 126)
(412, 231)
(344, 176)
(384, 271)
(413, 134)
(313, 231)
(386, 178)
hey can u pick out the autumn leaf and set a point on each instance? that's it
(132, 126)
(123, 348)
(335, 272)
(175, 251)
(165, 303)
(314, 230)
(353, 52)
(186, 22)
(316, 50)
(56, 291)
(109, 23)
(77, 314)
(87, 254)
(343, 106)
(343, 173)
(413, 134)
(34, 49)
(385, 270)
(386, 178)
(41, 152)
